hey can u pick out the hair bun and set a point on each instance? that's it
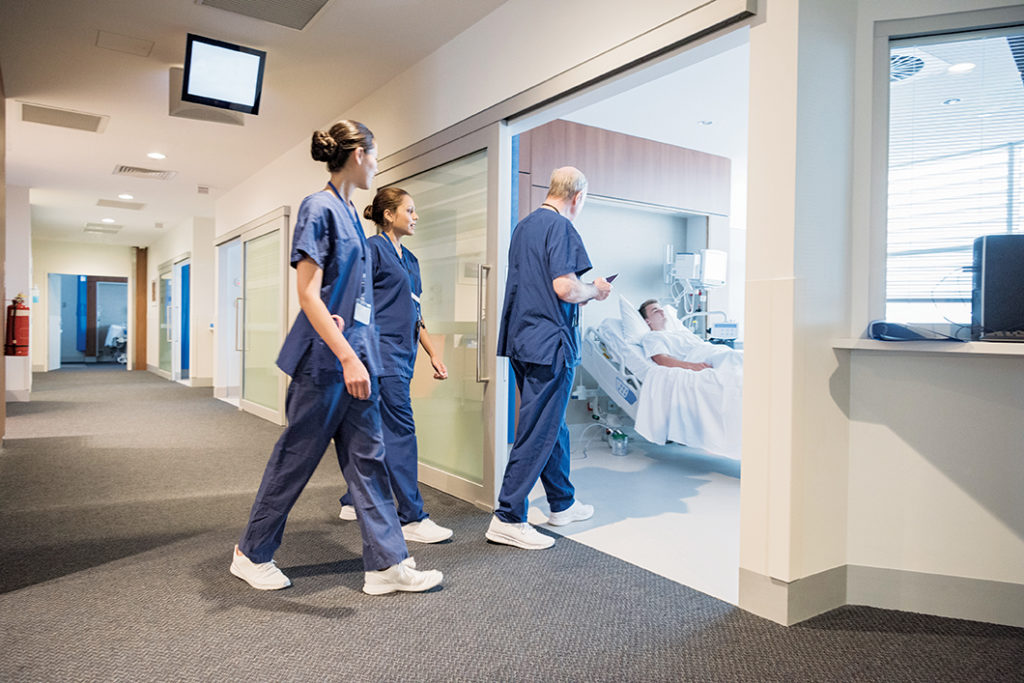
(323, 146)
(368, 212)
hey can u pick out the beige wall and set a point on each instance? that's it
(18, 280)
(71, 259)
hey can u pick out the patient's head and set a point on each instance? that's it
(654, 314)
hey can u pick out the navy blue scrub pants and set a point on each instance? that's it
(400, 450)
(541, 448)
(316, 414)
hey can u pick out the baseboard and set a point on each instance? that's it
(201, 382)
(995, 602)
(19, 395)
(956, 597)
(790, 602)
(158, 372)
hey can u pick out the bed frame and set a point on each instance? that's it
(611, 373)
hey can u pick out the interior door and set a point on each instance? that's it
(166, 317)
(458, 241)
(54, 314)
(227, 384)
(178, 325)
(264, 318)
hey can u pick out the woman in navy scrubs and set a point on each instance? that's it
(333, 393)
(396, 292)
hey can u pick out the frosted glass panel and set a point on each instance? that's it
(166, 329)
(450, 242)
(262, 334)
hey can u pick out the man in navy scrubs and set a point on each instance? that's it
(540, 336)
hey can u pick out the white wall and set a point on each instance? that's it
(936, 466)
(854, 459)
(74, 259)
(18, 280)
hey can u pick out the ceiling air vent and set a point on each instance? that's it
(136, 172)
(102, 228)
(65, 118)
(902, 67)
(115, 204)
(291, 13)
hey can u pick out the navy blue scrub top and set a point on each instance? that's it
(537, 326)
(395, 280)
(330, 233)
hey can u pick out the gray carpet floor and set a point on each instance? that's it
(121, 496)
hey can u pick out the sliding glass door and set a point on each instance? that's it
(455, 189)
(252, 315)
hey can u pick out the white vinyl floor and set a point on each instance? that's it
(670, 509)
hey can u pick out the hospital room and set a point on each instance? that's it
(656, 449)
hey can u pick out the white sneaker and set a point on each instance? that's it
(521, 535)
(401, 577)
(425, 531)
(348, 513)
(577, 512)
(264, 576)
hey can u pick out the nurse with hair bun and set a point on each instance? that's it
(331, 354)
(396, 292)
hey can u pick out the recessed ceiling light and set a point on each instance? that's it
(952, 100)
(156, 155)
(961, 68)
(125, 195)
(107, 220)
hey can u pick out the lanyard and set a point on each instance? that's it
(349, 211)
(362, 309)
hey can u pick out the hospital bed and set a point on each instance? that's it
(699, 409)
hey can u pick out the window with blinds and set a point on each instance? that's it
(956, 165)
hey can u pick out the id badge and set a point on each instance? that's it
(362, 313)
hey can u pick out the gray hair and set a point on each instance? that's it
(566, 182)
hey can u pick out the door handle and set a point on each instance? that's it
(481, 317)
(168, 319)
(238, 300)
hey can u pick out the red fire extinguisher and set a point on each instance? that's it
(16, 339)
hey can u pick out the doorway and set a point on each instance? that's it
(671, 508)
(252, 315)
(87, 320)
(174, 295)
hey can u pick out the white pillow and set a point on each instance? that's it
(634, 327)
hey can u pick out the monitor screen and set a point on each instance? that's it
(224, 75)
(713, 266)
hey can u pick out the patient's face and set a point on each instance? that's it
(655, 317)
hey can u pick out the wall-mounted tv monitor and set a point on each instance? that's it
(224, 75)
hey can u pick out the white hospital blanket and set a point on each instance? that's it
(700, 409)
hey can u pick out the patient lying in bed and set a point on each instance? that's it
(666, 347)
(693, 392)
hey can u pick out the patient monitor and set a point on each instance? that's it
(692, 275)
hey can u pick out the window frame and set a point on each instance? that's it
(884, 33)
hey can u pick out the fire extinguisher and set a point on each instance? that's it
(16, 339)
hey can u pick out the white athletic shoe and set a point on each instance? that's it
(264, 576)
(401, 577)
(577, 512)
(521, 535)
(348, 513)
(425, 531)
